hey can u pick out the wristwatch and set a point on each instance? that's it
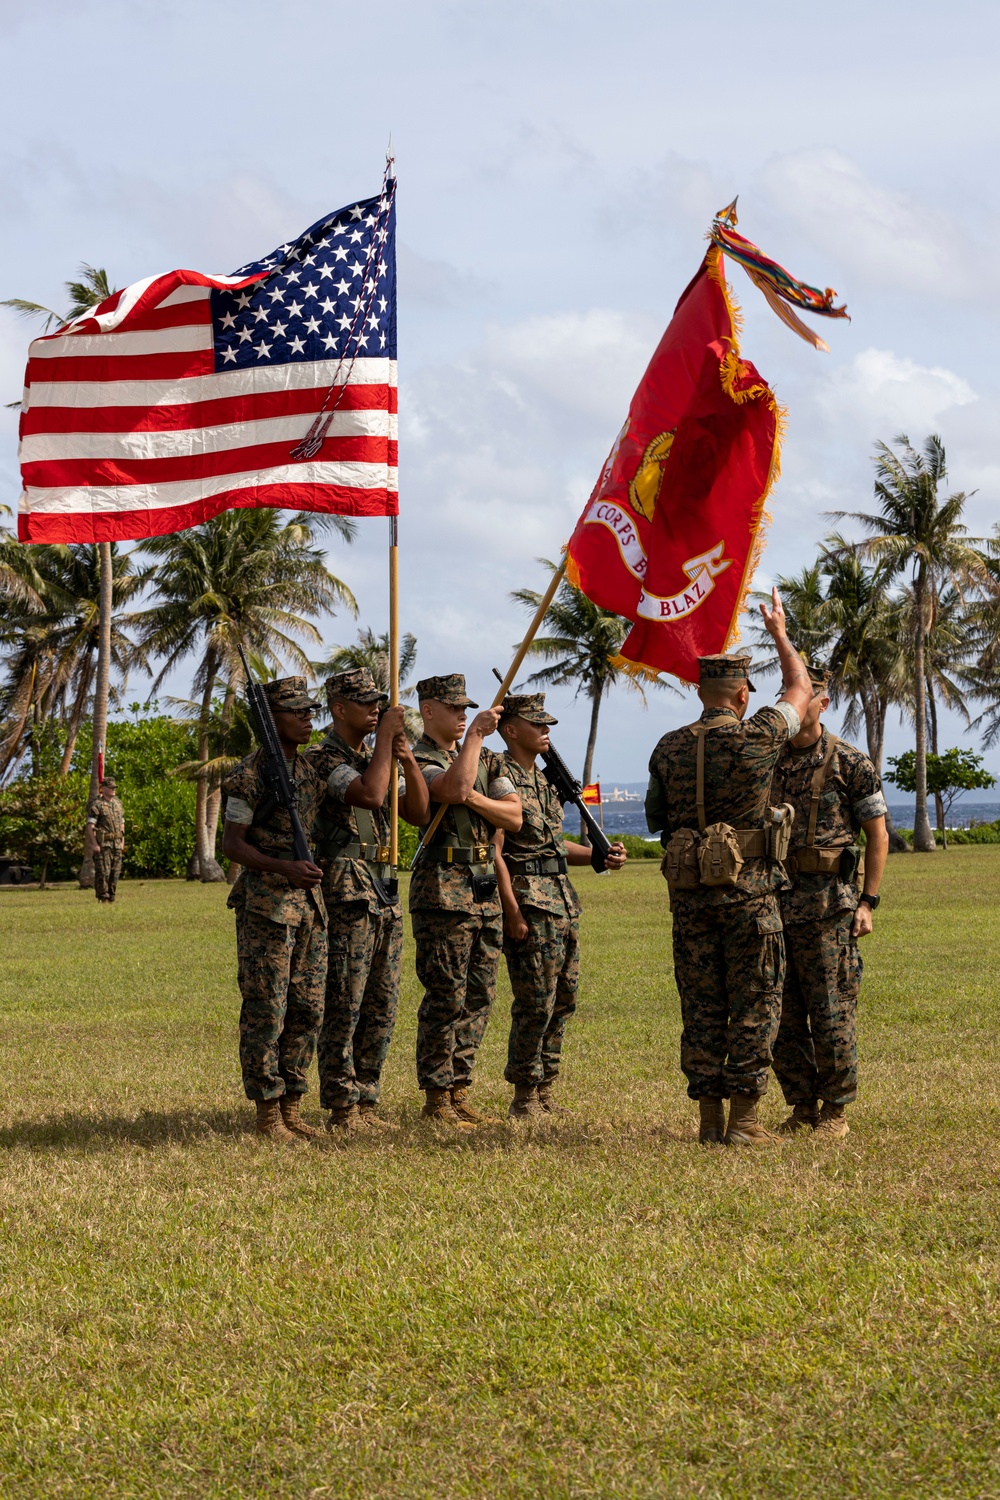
(872, 901)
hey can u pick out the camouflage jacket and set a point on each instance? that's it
(108, 818)
(264, 892)
(852, 795)
(449, 887)
(740, 756)
(338, 765)
(539, 837)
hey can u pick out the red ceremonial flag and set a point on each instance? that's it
(672, 532)
(187, 394)
(592, 794)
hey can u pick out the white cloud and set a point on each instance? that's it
(881, 393)
(886, 236)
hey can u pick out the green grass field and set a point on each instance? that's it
(603, 1309)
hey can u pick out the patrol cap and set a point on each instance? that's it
(820, 679)
(529, 706)
(356, 685)
(289, 693)
(108, 781)
(447, 689)
(729, 671)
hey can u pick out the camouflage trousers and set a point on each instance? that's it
(816, 1054)
(282, 976)
(458, 954)
(362, 992)
(729, 963)
(544, 973)
(107, 868)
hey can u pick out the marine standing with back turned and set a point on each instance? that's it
(280, 921)
(365, 919)
(457, 921)
(836, 793)
(105, 840)
(709, 792)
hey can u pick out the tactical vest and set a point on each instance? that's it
(443, 849)
(829, 859)
(542, 861)
(335, 843)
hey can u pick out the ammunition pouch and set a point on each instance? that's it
(842, 860)
(720, 858)
(692, 859)
(679, 866)
(779, 832)
(484, 887)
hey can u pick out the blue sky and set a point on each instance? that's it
(558, 166)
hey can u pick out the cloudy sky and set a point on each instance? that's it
(559, 162)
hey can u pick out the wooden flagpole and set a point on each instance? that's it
(393, 686)
(510, 674)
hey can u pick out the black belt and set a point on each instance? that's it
(460, 854)
(556, 864)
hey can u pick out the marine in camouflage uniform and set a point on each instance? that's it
(281, 940)
(106, 822)
(455, 909)
(365, 926)
(541, 913)
(729, 957)
(815, 1055)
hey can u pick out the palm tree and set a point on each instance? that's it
(246, 576)
(918, 533)
(92, 289)
(372, 651)
(55, 641)
(584, 648)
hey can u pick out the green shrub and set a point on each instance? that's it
(159, 807)
(637, 847)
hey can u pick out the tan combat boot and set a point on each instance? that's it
(712, 1123)
(290, 1105)
(439, 1108)
(271, 1127)
(525, 1105)
(744, 1127)
(547, 1101)
(833, 1122)
(344, 1121)
(802, 1117)
(370, 1119)
(464, 1110)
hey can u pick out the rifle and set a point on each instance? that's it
(568, 789)
(275, 777)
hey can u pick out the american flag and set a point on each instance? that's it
(187, 393)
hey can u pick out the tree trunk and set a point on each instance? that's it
(588, 761)
(76, 719)
(41, 879)
(875, 707)
(923, 838)
(938, 799)
(100, 693)
(213, 805)
(193, 871)
(208, 865)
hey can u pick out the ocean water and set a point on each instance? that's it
(627, 817)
